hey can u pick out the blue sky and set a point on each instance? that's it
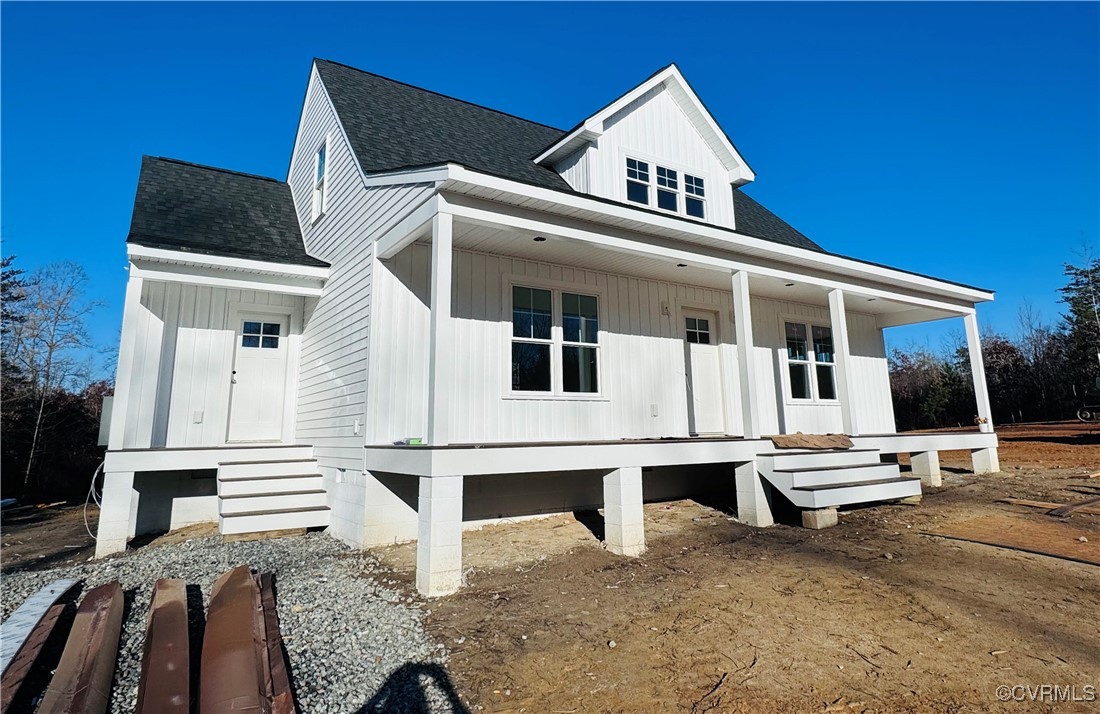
(959, 140)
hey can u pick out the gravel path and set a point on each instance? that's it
(354, 644)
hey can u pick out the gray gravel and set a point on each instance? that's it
(354, 644)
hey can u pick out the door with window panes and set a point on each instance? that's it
(704, 372)
(258, 382)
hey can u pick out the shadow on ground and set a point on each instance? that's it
(405, 691)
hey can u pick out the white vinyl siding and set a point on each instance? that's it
(334, 354)
(183, 360)
(654, 129)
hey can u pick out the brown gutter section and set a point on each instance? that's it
(82, 682)
(24, 660)
(165, 668)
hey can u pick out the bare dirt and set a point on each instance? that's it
(872, 615)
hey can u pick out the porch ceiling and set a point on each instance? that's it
(522, 244)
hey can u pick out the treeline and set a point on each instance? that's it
(50, 400)
(1042, 373)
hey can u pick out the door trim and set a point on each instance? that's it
(290, 395)
(718, 333)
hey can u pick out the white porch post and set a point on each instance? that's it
(977, 369)
(439, 535)
(441, 357)
(845, 386)
(130, 313)
(746, 361)
(117, 517)
(926, 464)
(753, 508)
(624, 531)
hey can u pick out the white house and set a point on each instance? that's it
(448, 315)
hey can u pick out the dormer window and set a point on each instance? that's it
(673, 191)
(320, 174)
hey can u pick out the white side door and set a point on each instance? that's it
(704, 373)
(258, 390)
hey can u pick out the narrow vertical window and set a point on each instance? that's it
(580, 348)
(668, 187)
(694, 196)
(531, 339)
(824, 359)
(637, 181)
(320, 195)
(798, 361)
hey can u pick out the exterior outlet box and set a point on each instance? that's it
(196, 417)
(653, 410)
(356, 427)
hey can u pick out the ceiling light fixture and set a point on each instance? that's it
(681, 265)
(789, 285)
(539, 239)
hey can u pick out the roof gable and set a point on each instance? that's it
(669, 80)
(210, 211)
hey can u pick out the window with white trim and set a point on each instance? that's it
(665, 188)
(554, 351)
(811, 372)
(320, 181)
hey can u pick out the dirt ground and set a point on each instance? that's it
(872, 615)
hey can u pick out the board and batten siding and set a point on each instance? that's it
(183, 362)
(653, 128)
(642, 353)
(334, 355)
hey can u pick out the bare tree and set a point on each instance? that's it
(48, 341)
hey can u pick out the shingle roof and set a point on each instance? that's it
(210, 211)
(392, 125)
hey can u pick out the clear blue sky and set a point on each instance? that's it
(959, 140)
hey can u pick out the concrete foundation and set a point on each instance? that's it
(118, 515)
(985, 461)
(820, 518)
(624, 533)
(753, 507)
(439, 535)
(926, 464)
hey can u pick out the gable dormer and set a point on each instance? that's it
(656, 147)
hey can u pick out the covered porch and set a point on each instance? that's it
(842, 306)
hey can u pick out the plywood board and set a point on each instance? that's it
(1052, 538)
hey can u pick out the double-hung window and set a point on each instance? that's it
(555, 342)
(665, 188)
(320, 181)
(810, 362)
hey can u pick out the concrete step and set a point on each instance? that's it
(273, 520)
(232, 470)
(825, 475)
(271, 502)
(798, 459)
(842, 494)
(268, 485)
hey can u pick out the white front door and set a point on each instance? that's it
(704, 373)
(259, 378)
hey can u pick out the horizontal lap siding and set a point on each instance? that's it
(183, 362)
(332, 385)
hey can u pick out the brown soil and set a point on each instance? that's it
(46, 535)
(872, 615)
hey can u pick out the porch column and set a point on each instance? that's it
(926, 464)
(118, 514)
(977, 370)
(746, 361)
(441, 357)
(624, 532)
(439, 535)
(753, 508)
(845, 386)
(123, 374)
(985, 461)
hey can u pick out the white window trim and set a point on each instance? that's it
(811, 360)
(681, 186)
(556, 342)
(320, 208)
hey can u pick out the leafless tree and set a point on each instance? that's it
(49, 342)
